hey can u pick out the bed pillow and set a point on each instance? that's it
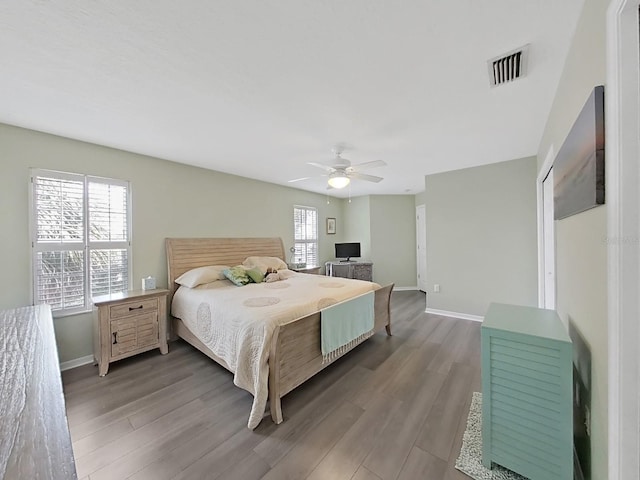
(263, 263)
(256, 275)
(238, 275)
(200, 275)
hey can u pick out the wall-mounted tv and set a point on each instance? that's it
(347, 250)
(578, 169)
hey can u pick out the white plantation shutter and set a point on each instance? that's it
(109, 271)
(80, 241)
(108, 236)
(305, 228)
(107, 212)
(60, 213)
(60, 279)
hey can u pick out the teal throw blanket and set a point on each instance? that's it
(345, 324)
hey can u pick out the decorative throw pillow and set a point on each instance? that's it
(256, 275)
(263, 263)
(200, 275)
(238, 275)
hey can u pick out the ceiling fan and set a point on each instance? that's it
(342, 172)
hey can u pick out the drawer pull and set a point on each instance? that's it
(115, 338)
(135, 308)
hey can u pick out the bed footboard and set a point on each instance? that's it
(295, 354)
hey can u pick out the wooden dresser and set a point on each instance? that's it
(527, 402)
(34, 435)
(129, 323)
(356, 270)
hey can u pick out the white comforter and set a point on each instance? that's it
(237, 323)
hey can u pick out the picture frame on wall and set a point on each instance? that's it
(331, 226)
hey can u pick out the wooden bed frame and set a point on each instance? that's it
(295, 354)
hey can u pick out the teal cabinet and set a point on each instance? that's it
(527, 419)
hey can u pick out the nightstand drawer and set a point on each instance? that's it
(133, 308)
(133, 333)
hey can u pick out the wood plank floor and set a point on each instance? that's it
(393, 408)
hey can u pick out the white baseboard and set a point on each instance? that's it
(403, 289)
(76, 362)
(463, 316)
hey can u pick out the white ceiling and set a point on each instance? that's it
(260, 87)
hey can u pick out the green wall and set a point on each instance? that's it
(393, 226)
(357, 224)
(581, 251)
(386, 229)
(481, 237)
(168, 200)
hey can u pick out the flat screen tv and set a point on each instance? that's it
(578, 169)
(347, 250)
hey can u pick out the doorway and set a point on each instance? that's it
(546, 234)
(549, 239)
(421, 248)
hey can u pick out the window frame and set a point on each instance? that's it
(86, 245)
(315, 241)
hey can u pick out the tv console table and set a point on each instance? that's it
(357, 270)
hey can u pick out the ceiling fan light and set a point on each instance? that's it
(339, 181)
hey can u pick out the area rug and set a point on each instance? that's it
(469, 461)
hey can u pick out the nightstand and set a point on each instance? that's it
(128, 323)
(313, 270)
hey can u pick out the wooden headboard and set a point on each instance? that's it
(183, 254)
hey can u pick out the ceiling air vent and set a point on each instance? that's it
(508, 67)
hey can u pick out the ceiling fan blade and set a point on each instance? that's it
(328, 168)
(363, 176)
(299, 179)
(366, 165)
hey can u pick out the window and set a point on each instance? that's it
(80, 237)
(305, 227)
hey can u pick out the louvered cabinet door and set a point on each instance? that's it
(527, 422)
(134, 332)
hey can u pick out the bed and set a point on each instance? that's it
(288, 351)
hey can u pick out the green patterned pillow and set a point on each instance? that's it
(238, 275)
(255, 275)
